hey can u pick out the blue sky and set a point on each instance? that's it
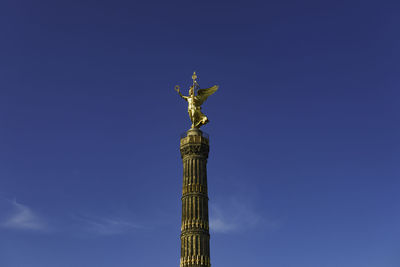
(304, 161)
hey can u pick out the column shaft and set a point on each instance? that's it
(195, 237)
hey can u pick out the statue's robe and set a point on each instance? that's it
(194, 109)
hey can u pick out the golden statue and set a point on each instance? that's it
(195, 101)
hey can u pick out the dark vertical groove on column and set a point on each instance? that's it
(191, 171)
(195, 171)
(203, 182)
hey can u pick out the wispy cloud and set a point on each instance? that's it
(108, 226)
(235, 216)
(22, 217)
(18, 216)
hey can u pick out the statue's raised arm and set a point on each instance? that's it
(178, 89)
(195, 101)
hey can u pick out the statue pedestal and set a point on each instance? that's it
(194, 131)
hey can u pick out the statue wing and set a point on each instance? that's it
(204, 93)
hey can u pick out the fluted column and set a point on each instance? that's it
(195, 237)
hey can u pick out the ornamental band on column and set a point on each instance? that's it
(194, 148)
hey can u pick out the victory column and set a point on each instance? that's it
(194, 148)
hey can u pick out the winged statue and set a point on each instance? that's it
(195, 101)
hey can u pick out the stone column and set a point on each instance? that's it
(195, 237)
